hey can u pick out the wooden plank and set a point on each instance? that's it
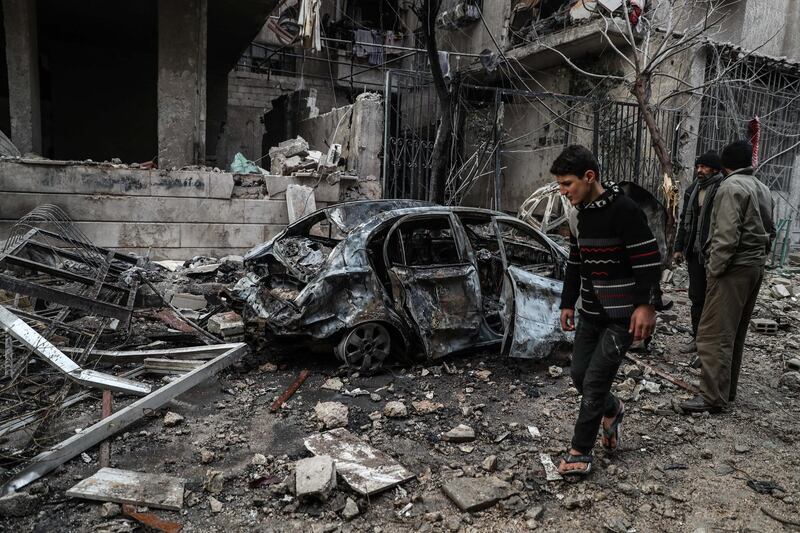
(367, 470)
(80, 442)
(124, 486)
(168, 366)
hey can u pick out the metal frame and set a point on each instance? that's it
(17, 328)
(103, 294)
(64, 451)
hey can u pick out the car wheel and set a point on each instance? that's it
(365, 347)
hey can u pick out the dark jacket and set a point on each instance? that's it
(688, 229)
(614, 263)
(742, 229)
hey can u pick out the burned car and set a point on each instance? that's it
(374, 278)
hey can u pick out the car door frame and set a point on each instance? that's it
(530, 302)
(442, 341)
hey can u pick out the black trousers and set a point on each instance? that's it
(697, 289)
(596, 357)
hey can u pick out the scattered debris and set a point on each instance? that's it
(460, 433)
(315, 477)
(18, 504)
(395, 410)
(85, 439)
(277, 404)
(764, 487)
(365, 469)
(228, 325)
(334, 384)
(22, 332)
(189, 301)
(331, 414)
(475, 494)
(110, 510)
(152, 521)
(426, 407)
(764, 326)
(350, 510)
(214, 481)
(660, 373)
(550, 470)
(490, 463)
(215, 505)
(123, 486)
(172, 419)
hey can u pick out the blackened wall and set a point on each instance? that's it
(99, 79)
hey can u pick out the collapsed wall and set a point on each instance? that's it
(178, 214)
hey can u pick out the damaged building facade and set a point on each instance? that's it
(513, 71)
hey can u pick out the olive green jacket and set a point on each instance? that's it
(742, 229)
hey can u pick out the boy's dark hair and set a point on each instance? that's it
(575, 159)
(738, 154)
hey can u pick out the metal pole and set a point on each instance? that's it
(105, 446)
(498, 147)
(387, 102)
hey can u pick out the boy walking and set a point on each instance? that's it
(614, 267)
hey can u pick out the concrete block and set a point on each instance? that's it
(315, 477)
(184, 300)
(292, 164)
(226, 324)
(277, 164)
(324, 191)
(300, 201)
(476, 494)
(290, 147)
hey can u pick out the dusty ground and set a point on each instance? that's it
(674, 472)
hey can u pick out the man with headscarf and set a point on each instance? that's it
(698, 201)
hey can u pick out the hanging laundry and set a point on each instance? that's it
(635, 12)
(392, 39)
(444, 63)
(360, 49)
(309, 22)
(376, 52)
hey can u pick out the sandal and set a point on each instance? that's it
(614, 431)
(571, 459)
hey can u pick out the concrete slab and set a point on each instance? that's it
(315, 477)
(476, 494)
(300, 201)
(365, 469)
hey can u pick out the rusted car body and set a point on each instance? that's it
(374, 277)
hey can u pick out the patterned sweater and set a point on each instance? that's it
(614, 264)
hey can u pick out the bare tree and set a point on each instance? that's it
(667, 30)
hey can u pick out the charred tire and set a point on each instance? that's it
(365, 347)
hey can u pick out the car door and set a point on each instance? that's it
(434, 283)
(531, 294)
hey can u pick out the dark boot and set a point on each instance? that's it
(698, 404)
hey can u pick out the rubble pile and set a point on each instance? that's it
(289, 440)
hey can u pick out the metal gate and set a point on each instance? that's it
(490, 135)
(410, 131)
